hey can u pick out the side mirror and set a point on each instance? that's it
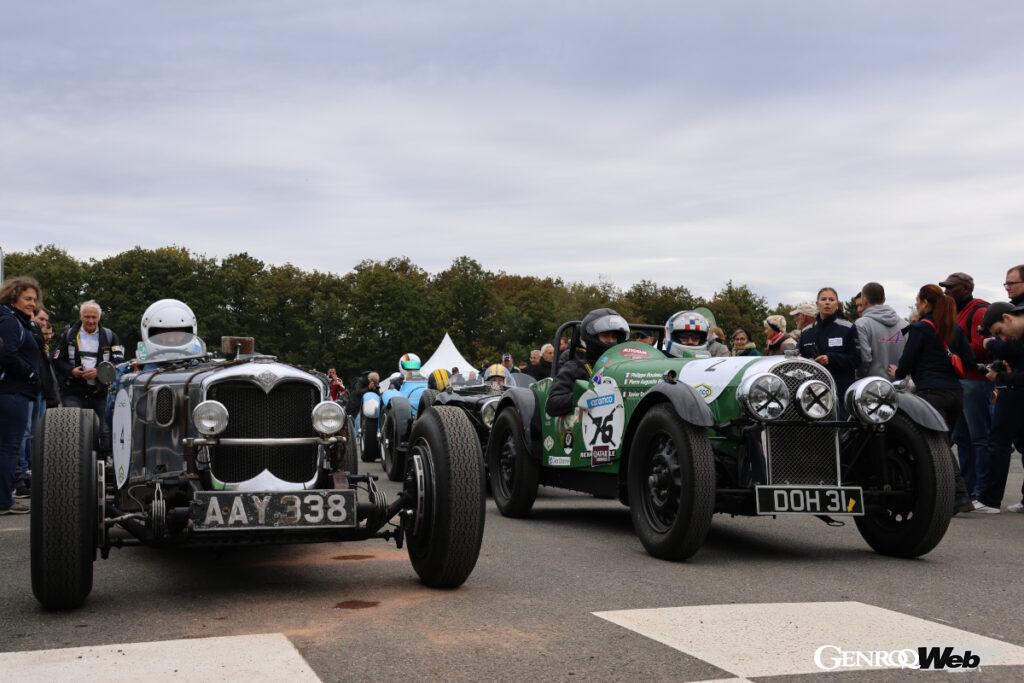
(105, 373)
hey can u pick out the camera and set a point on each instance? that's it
(999, 366)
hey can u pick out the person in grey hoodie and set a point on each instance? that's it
(879, 333)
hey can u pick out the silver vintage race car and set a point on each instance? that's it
(247, 450)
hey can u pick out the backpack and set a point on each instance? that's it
(954, 360)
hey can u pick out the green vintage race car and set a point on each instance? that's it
(679, 439)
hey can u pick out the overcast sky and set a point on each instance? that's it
(787, 145)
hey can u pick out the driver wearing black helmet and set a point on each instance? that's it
(600, 330)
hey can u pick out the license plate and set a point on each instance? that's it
(810, 500)
(226, 510)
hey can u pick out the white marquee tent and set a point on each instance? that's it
(446, 356)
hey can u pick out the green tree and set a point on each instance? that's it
(58, 273)
(737, 306)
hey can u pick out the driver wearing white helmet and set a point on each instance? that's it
(686, 335)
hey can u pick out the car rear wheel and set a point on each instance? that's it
(920, 462)
(445, 481)
(393, 461)
(351, 459)
(426, 400)
(64, 508)
(511, 471)
(671, 480)
(371, 448)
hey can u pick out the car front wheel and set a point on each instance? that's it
(444, 483)
(671, 481)
(919, 463)
(64, 508)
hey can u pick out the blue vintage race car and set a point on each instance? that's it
(396, 410)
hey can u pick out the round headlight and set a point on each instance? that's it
(210, 418)
(764, 396)
(488, 412)
(328, 418)
(872, 400)
(370, 408)
(815, 399)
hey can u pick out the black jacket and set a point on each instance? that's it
(355, 400)
(48, 381)
(20, 361)
(837, 339)
(560, 398)
(926, 361)
(539, 371)
(69, 357)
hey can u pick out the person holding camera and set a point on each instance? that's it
(1003, 328)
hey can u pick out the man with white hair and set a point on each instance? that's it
(81, 348)
(543, 367)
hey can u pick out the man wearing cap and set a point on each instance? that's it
(804, 314)
(972, 430)
(1007, 321)
(879, 332)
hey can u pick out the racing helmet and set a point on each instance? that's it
(602, 320)
(410, 362)
(689, 326)
(169, 324)
(439, 380)
(496, 372)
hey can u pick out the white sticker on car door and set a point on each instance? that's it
(121, 435)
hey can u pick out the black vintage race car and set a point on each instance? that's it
(478, 401)
(249, 450)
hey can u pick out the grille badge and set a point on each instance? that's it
(266, 380)
(798, 373)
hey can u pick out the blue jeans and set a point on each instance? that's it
(971, 433)
(35, 414)
(14, 411)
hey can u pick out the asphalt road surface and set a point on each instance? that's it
(568, 594)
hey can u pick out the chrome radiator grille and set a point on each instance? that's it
(252, 413)
(801, 454)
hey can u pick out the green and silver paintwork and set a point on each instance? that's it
(635, 368)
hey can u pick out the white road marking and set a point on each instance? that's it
(774, 639)
(14, 529)
(263, 657)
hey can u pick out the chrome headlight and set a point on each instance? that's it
(328, 418)
(764, 396)
(370, 408)
(872, 400)
(210, 418)
(488, 412)
(815, 399)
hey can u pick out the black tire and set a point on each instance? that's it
(445, 547)
(351, 457)
(371, 448)
(671, 481)
(392, 460)
(511, 471)
(921, 460)
(64, 523)
(427, 399)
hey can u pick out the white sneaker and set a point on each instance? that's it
(1016, 507)
(985, 509)
(978, 504)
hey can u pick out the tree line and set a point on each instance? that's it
(363, 319)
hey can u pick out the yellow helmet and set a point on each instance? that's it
(439, 379)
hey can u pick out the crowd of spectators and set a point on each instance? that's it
(962, 354)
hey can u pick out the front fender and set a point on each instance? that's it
(686, 401)
(401, 414)
(525, 402)
(922, 413)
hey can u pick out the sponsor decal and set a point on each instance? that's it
(634, 353)
(549, 443)
(559, 460)
(704, 391)
(567, 441)
(601, 455)
(603, 416)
